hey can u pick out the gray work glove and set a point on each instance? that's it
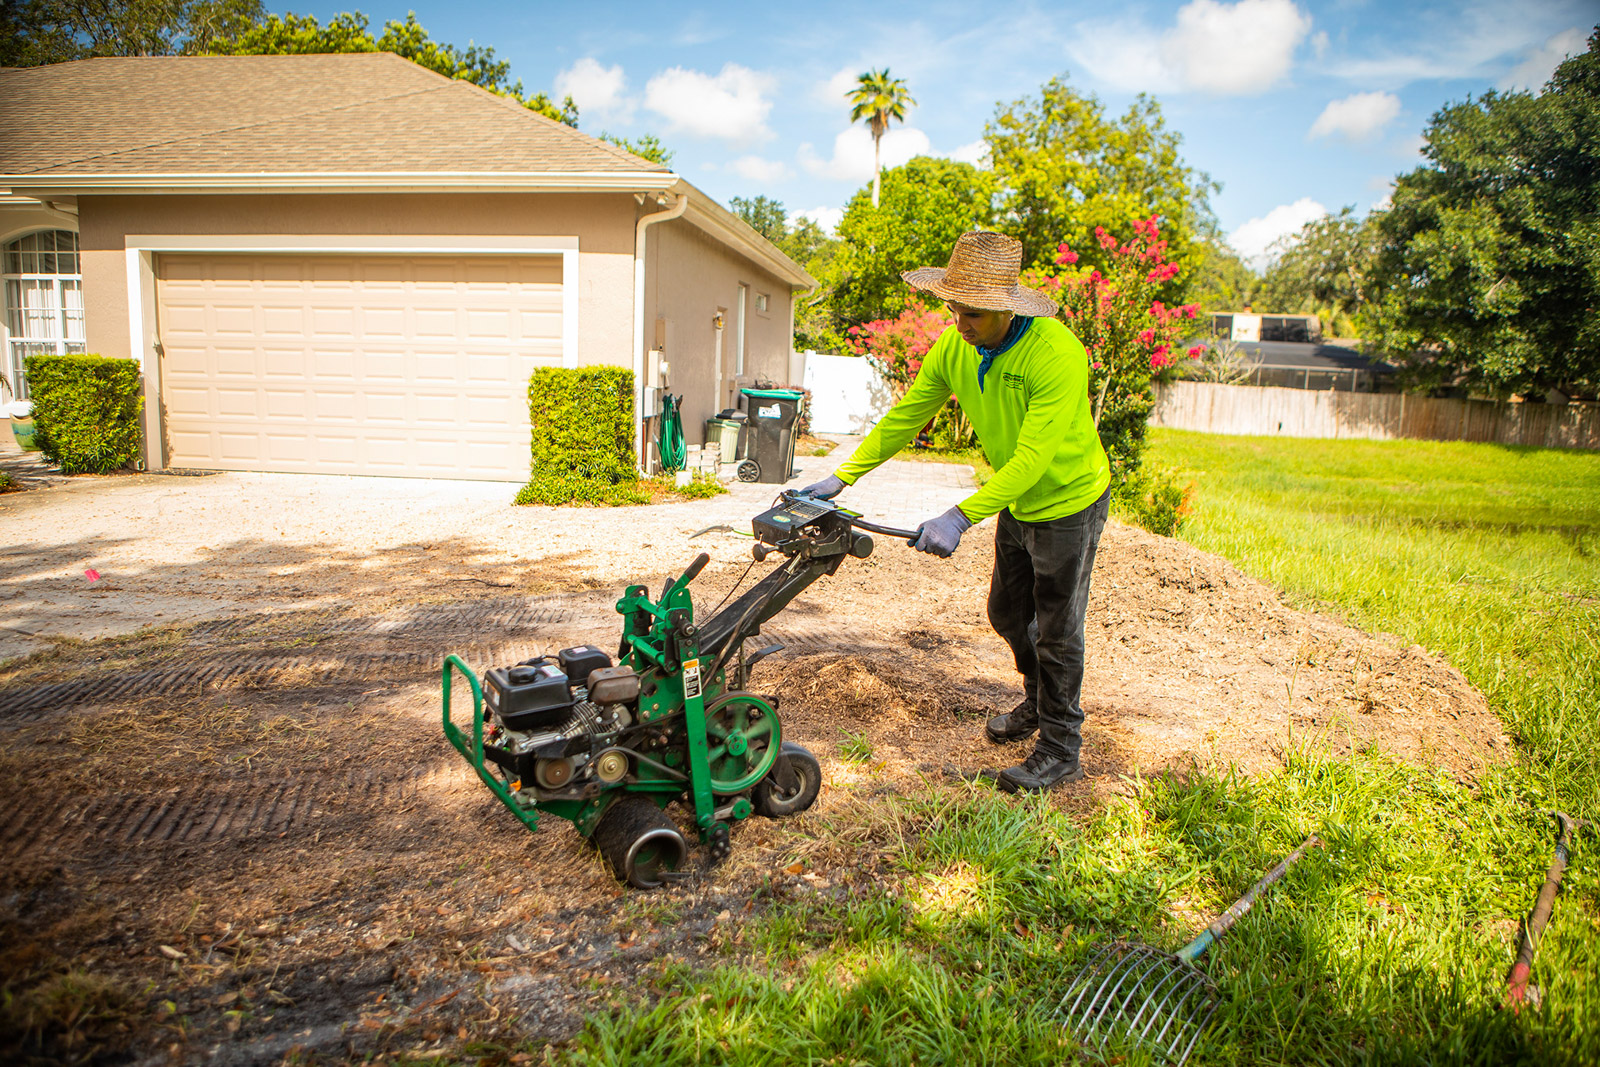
(940, 536)
(827, 489)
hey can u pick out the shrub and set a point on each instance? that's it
(582, 421)
(1154, 499)
(86, 411)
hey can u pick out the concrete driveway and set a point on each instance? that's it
(93, 556)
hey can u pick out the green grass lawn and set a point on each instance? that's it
(967, 913)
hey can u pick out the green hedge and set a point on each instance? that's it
(86, 411)
(582, 420)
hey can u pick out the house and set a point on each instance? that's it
(1246, 326)
(347, 264)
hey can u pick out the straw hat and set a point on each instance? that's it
(982, 274)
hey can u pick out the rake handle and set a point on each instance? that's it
(1194, 949)
(1533, 929)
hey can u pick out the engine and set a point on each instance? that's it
(554, 722)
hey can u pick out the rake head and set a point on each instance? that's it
(1143, 995)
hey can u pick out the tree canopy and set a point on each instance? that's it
(1321, 269)
(1063, 168)
(926, 204)
(35, 32)
(1487, 269)
(1220, 281)
(291, 34)
(645, 146)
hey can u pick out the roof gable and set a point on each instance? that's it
(363, 113)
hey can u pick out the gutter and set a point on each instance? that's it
(55, 186)
(639, 228)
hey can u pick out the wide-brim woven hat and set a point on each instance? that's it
(982, 273)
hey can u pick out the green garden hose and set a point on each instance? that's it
(670, 439)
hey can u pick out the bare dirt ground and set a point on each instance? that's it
(241, 837)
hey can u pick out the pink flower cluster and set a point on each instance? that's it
(898, 345)
(1131, 336)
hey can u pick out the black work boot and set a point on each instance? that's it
(1018, 723)
(1040, 772)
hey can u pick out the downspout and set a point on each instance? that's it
(644, 223)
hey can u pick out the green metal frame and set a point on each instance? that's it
(659, 642)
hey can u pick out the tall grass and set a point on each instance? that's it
(1487, 554)
(1389, 945)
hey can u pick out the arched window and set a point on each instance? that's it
(44, 299)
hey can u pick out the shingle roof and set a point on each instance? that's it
(366, 113)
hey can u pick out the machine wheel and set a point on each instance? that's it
(774, 800)
(748, 470)
(640, 842)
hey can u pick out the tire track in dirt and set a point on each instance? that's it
(24, 703)
(211, 813)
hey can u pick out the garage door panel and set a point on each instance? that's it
(289, 405)
(412, 365)
(381, 323)
(286, 448)
(233, 321)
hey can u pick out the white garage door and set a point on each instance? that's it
(342, 364)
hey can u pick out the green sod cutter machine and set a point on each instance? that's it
(609, 745)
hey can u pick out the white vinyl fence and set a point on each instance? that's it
(847, 395)
(1274, 412)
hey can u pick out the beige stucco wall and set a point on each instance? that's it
(20, 218)
(689, 277)
(603, 225)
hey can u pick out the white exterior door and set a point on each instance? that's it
(410, 365)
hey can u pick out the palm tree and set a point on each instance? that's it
(879, 98)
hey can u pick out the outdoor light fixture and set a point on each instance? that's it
(716, 323)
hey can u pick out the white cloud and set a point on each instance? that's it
(832, 92)
(732, 105)
(1234, 48)
(1213, 47)
(756, 169)
(976, 153)
(1357, 117)
(852, 152)
(1540, 62)
(1479, 39)
(600, 92)
(826, 217)
(1254, 238)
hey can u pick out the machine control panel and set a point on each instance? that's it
(796, 516)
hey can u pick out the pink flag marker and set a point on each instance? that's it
(92, 574)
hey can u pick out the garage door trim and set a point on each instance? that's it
(141, 250)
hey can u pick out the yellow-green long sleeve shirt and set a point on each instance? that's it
(1032, 416)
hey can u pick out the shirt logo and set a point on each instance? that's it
(1013, 381)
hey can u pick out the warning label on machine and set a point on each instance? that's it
(691, 679)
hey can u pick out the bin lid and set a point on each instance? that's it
(773, 394)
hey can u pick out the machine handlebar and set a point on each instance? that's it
(887, 531)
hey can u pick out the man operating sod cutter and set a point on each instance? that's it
(1022, 378)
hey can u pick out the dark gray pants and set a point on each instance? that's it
(1038, 597)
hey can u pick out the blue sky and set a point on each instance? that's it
(1295, 106)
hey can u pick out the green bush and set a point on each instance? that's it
(86, 411)
(582, 420)
(1152, 498)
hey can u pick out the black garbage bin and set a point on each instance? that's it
(767, 439)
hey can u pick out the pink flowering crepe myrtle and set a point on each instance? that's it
(1132, 338)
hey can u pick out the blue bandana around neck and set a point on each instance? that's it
(1019, 326)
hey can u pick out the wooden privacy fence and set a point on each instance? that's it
(1275, 412)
